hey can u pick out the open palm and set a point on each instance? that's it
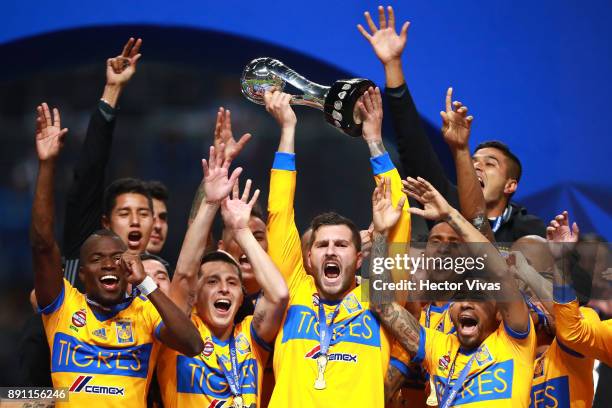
(384, 214)
(49, 133)
(217, 184)
(435, 207)
(387, 43)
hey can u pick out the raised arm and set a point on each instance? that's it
(284, 245)
(584, 334)
(271, 305)
(226, 146)
(416, 153)
(216, 186)
(84, 198)
(45, 251)
(371, 110)
(514, 310)
(177, 330)
(456, 126)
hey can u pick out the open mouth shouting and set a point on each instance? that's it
(110, 282)
(223, 306)
(467, 325)
(331, 271)
(133, 239)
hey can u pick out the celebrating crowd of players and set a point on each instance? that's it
(269, 317)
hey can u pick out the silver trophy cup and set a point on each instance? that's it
(338, 102)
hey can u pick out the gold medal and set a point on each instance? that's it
(432, 399)
(238, 403)
(321, 365)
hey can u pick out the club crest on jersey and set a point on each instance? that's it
(444, 362)
(483, 356)
(124, 331)
(209, 348)
(315, 299)
(79, 318)
(101, 333)
(351, 304)
(81, 384)
(315, 352)
(242, 344)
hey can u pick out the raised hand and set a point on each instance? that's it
(237, 210)
(387, 44)
(559, 235)
(224, 136)
(217, 185)
(384, 214)
(132, 265)
(370, 108)
(456, 123)
(49, 133)
(120, 69)
(435, 207)
(277, 105)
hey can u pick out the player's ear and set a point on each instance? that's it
(511, 186)
(106, 222)
(81, 273)
(359, 259)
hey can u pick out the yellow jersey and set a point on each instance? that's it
(562, 378)
(359, 348)
(104, 359)
(588, 336)
(200, 381)
(414, 391)
(500, 373)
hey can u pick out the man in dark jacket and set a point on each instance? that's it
(497, 168)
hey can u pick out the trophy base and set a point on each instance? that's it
(340, 104)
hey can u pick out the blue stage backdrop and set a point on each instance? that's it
(534, 74)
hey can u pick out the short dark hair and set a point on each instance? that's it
(157, 190)
(102, 232)
(124, 186)
(149, 256)
(332, 218)
(222, 256)
(258, 211)
(515, 169)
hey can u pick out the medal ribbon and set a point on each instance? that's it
(233, 376)
(450, 393)
(325, 330)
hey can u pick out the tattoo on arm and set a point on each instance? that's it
(258, 318)
(393, 381)
(377, 148)
(395, 318)
(197, 201)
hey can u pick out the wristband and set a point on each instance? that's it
(147, 286)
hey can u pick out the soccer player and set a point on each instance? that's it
(159, 270)
(346, 365)
(499, 170)
(229, 370)
(584, 333)
(102, 342)
(489, 357)
(159, 193)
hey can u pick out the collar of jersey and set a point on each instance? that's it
(219, 342)
(113, 310)
(331, 302)
(439, 309)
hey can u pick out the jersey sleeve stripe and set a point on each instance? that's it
(563, 294)
(53, 306)
(516, 334)
(381, 164)
(266, 346)
(420, 354)
(284, 161)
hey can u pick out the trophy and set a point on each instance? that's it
(338, 102)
